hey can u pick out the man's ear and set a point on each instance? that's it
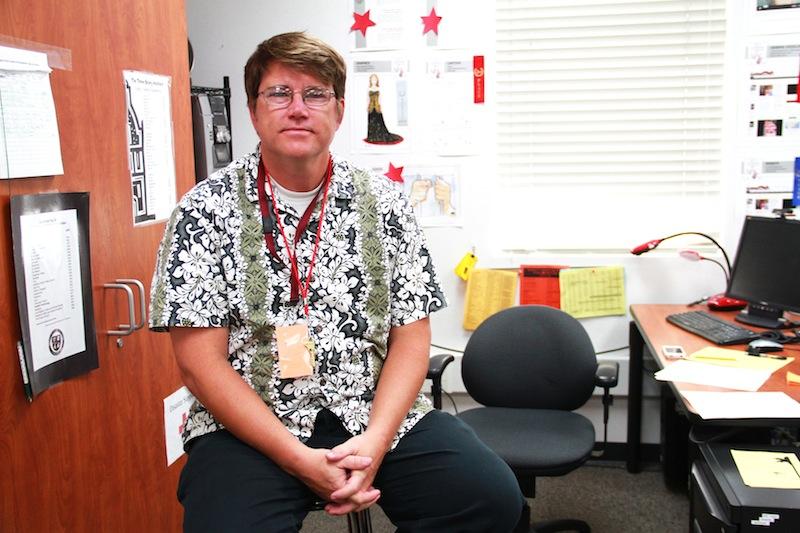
(252, 114)
(340, 110)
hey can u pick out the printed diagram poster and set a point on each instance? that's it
(448, 108)
(774, 111)
(379, 107)
(150, 145)
(435, 194)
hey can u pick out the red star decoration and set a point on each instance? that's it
(395, 173)
(431, 22)
(362, 22)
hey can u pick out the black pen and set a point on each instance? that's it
(769, 356)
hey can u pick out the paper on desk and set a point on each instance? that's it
(771, 470)
(592, 291)
(714, 405)
(714, 375)
(737, 359)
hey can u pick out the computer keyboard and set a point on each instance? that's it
(712, 328)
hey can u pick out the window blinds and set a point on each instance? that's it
(609, 120)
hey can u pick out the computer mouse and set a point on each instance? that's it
(764, 345)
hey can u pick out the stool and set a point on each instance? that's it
(357, 521)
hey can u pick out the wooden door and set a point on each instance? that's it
(89, 453)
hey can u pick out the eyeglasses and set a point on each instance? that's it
(280, 96)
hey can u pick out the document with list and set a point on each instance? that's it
(593, 291)
(488, 291)
(29, 141)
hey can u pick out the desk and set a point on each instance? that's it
(650, 330)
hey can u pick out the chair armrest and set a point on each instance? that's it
(437, 364)
(607, 374)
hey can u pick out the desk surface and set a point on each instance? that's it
(651, 321)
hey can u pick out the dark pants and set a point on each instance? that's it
(440, 477)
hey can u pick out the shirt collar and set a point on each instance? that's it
(341, 180)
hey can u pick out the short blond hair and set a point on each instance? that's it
(297, 50)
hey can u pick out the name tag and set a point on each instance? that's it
(295, 351)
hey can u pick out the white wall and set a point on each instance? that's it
(224, 37)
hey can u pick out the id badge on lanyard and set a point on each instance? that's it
(296, 349)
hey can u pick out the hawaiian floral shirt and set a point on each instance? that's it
(373, 271)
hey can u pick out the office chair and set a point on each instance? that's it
(530, 367)
(361, 521)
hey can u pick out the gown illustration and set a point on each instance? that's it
(377, 132)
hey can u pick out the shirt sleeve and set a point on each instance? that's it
(416, 289)
(189, 287)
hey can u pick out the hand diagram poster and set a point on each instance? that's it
(435, 194)
(379, 104)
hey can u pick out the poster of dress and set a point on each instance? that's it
(380, 103)
(151, 153)
(54, 287)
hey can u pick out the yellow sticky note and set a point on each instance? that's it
(792, 378)
(714, 355)
(464, 267)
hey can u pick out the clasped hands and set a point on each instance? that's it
(343, 476)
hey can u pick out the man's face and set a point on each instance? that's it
(297, 131)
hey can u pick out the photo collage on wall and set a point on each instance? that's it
(770, 129)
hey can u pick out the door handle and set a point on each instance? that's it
(132, 325)
(124, 329)
(142, 307)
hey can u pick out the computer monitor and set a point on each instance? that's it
(766, 271)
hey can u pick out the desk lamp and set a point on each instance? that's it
(719, 302)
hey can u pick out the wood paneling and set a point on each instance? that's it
(88, 454)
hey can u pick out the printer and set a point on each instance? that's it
(720, 502)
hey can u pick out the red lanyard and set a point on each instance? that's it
(269, 209)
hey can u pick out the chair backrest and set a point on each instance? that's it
(530, 356)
